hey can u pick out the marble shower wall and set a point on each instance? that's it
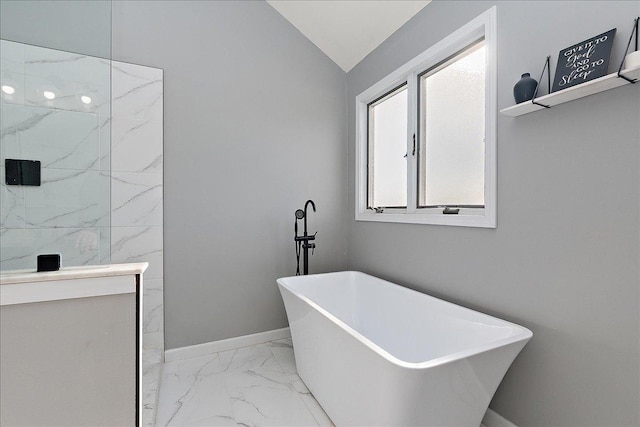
(136, 183)
(69, 212)
(100, 200)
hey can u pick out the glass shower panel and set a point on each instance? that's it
(55, 109)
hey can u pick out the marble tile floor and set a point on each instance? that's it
(249, 386)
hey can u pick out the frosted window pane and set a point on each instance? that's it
(452, 132)
(387, 148)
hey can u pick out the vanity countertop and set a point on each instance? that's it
(80, 272)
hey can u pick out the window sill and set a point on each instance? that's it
(481, 220)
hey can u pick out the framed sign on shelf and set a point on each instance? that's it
(584, 61)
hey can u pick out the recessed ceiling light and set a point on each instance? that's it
(9, 90)
(85, 99)
(49, 95)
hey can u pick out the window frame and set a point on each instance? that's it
(482, 27)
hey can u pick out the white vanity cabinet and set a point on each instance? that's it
(70, 347)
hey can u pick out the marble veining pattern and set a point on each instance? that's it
(68, 198)
(70, 76)
(105, 245)
(137, 91)
(151, 373)
(153, 315)
(104, 123)
(136, 199)
(248, 386)
(59, 139)
(131, 147)
(136, 145)
(41, 61)
(77, 246)
(138, 244)
(12, 209)
(68, 94)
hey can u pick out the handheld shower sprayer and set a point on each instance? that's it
(302, 242)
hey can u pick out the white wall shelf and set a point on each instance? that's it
(610, 81)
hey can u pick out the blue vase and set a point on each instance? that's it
(525, 88)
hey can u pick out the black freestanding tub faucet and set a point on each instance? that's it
(303, 242)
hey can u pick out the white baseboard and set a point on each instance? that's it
(493, 419)
(223, 345)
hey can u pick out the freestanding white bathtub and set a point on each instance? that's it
(377, 354)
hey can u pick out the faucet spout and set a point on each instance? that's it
(313, 205)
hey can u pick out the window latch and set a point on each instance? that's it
(413, 153)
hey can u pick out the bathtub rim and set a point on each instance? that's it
(523, 333)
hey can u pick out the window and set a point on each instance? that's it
(451, 128)
(387, 143)
(425, 135)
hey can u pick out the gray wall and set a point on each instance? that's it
(564, 258)
(254, 126)
(71, 25)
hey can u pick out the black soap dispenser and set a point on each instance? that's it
(49, 262)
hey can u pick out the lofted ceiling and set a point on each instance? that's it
(347, 30)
